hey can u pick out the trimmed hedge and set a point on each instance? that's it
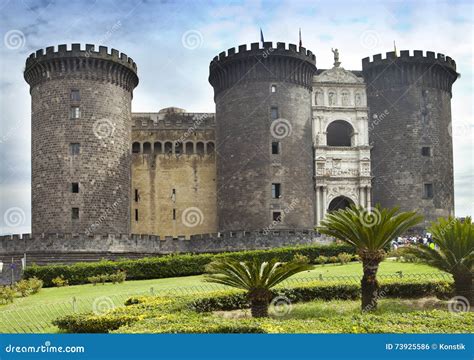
(183, 314)
(173, 265)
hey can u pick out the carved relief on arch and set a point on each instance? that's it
(345, 97)
(332, 97)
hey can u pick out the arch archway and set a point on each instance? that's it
(339, 133)
(340, 202)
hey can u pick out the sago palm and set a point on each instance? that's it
(369, 232)
(454, 252)
(256, 277)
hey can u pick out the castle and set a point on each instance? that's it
(288, 142)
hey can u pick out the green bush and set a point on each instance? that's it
(59, 281)
(344, 258)
(321, 260)
(118, 277)
(27, 287)
(173, 265)
(7, 294)
(333, 260)
(90, 323)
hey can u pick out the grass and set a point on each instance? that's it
(34, 313)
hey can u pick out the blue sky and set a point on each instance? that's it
(173, 41)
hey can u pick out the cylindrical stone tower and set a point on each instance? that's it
(409, 99)
(263, 137)
(81, 135)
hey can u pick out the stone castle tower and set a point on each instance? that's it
(264, 141)
(409, 98)
(81, 136)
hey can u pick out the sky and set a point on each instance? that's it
(172, 43)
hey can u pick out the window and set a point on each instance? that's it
(275, 147)
(174, 214)
(274, 89)
(74, 148)
(157, 148)
(136, 214)
(274, 112)
(210, 147)
(428, 191)
(75, 95)
(136, 147)
(339, 133)
(137, 197)
(276, 191)
(75, 188)
(200, 148)
(168, 147)
(189, 148)
(75, 213)
(147, 148)
(276, 216)
(426, 151)
(178, 147)
(75, 112)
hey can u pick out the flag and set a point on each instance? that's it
(301, 43)
(395, 48)
(261, 36)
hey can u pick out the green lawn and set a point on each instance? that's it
(35, 312)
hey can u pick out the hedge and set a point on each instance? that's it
(172, 265)
(189, 314)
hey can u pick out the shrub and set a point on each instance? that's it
(90, 323)
(321, 260)
(23, 288)
(344, 258)
(118, 277)
(35, 284)
(59, 281)
(333, 259)
(173, 265)
(7, 294)
(94, 280)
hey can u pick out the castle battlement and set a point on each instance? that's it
(102, 65)
(418, 56)
(160, 121)
(75, 50)
(290, 64)
(267, 50)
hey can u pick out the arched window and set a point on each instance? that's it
(178, 147)
(189, 147)
(200, 148)
(146, 148)
(168, 147)
(210, 148)
(136, 147)
(157, 149)
(339, 133)
(340, 202)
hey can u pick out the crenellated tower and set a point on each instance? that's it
(263, 137)
(409, 99)
(81, 139)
